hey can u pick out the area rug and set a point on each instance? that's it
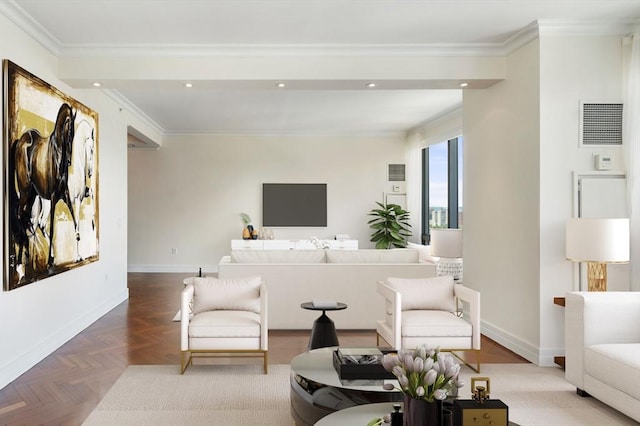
(233, 395)
(204, 395)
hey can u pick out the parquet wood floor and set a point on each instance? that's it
(68, 384)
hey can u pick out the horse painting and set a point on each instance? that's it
(40, 168)
(50, 148)
(80, 173)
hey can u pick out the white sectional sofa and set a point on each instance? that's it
(349, 276)
(602, 347)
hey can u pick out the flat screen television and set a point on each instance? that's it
(294, 204)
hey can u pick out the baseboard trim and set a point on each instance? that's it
(532, 353)
(40, 350)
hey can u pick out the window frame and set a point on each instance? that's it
(453, 193)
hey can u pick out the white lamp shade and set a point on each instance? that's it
(597, 240)
(446, 243)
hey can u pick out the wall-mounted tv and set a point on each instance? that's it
(294, 204)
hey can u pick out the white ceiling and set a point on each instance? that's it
(105, 27)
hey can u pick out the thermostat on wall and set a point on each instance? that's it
(603, 161)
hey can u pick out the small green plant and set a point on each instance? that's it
(246, 220)
(391, 226)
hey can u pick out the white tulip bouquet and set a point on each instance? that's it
(424, 373)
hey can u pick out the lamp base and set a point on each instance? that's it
(597, 276)
(449, 266)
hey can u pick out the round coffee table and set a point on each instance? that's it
(316, 388)
(362, 414)
(323, 333)
(359, 415)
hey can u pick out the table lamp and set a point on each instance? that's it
(447, 245)
(597, 241)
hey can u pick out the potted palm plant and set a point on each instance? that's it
(391, 226)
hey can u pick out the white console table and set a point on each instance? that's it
(292, 244)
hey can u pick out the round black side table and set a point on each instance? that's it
(323, 333)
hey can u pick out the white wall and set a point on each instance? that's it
(38, 318)
(501, 202)
(188, 194)
(572, 69)
(521, 149)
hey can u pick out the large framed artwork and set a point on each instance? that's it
(51, 180)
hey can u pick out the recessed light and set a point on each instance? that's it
(464, 84)
(96, 84)
(371, 85)
(188, 85)
(280, 85)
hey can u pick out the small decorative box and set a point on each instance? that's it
(360, 366)
(480, 410)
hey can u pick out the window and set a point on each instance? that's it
(442, 186)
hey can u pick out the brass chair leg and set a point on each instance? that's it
(266, 363)
(183, 364)
(477, 352)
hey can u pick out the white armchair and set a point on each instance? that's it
(223, 317)
(425, 311)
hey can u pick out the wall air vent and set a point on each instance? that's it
(601, 124)
(396, 173)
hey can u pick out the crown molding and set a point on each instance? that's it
(560, 27)
(521, 38)
(545, 27)
(285, 50)
(134, 110)
(301, 133)
(24, 21)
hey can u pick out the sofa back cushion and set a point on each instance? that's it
(240, 294)
(435, 293)
(278, 256)
(372, 256)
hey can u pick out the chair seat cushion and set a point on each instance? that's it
(617, 364)
(213, 324)
(434, 324)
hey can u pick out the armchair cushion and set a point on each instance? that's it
(241, 294)
(434, 324)
(215, 324)
(435, 293)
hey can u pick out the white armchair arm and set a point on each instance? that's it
(393, 304)
(471, 297)
(264, 315)
(186, 299)
(597, 317)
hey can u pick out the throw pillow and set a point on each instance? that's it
(241, 294)
(435, 293)
(424, 253)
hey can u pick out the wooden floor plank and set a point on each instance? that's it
(66, 386)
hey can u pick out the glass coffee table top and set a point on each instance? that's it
(317, 365)
(316, 388)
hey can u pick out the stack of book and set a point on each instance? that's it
(360, 363)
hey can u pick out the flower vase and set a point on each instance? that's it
(419, 412)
